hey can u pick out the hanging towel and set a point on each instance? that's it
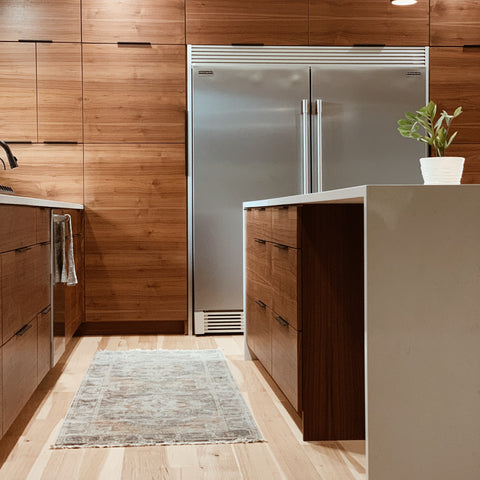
(64, 263)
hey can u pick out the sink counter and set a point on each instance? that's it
(37, 202)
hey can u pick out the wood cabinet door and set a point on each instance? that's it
(54, 20)
(134, 94)
(18, 119)
(259, 270)
(349, 22)
(268, 22)
(17, 228)
(59, 87)
(259, 335)
(454, 81)
(59, 168)
(259, 223)
(286, 226)
(42, 216)
(19, 372)
(44, 343)
(135, 233)
(154, 21)
(454, 22)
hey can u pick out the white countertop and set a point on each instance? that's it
(37, 202)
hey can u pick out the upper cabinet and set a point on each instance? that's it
(54, 20)
(373, 22)
(154, 21)
(454, 81)
(454, 22)
(268, 22)
(134, 93)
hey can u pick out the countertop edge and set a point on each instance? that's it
(37, 202)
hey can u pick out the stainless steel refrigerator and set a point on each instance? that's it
(266, 122)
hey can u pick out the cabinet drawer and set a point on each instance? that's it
(43, 342)
(259, 332)
(25, 286)
(286, 356)
(286, 226)
(17, 228)
(19, 372)
(259, 270)
(43, 225)
(286, 284)
(259, 223)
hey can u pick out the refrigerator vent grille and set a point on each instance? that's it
(219, 322)
(391, 56)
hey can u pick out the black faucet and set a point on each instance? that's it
(12, 160)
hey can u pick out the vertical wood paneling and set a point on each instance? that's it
(471, 153)
(59, 90)
(154, 21)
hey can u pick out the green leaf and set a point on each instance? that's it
(450, 140)
(404, 122)
(457, 112)
(410, 116)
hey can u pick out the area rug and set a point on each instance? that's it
(161, 397)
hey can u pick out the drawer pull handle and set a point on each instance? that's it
(281, 247)
(261, 208)
(261, 304)
(283, 207)
(24, 330)
(281, 321)
(259, 240)
(23, 249)
(46, 310)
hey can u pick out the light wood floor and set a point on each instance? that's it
(25, 452)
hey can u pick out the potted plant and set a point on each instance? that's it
(438, 169)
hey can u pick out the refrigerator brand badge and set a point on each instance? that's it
(205, 73)
(414, 74)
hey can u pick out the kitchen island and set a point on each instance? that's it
(420, 253)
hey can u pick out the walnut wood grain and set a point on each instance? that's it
(471, 153)
(77, 217)
(286, 361)
(74, 295)
(17, 228)
(333, 322)
(43, 344)
(269, 22)
(25, 286)
(134, 93)
(59, 92)
(18, 119)
(135, 233)
(42, 216)
(259, 335)
(166, 327)
(259, 223)
(48, 171)
(259, 270)
(454, 81)
(40, 20)
(349, 22)
(154, 21)
(454, 22)
(286, 226)
(19, 373)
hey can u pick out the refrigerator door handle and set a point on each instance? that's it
(318, 144)
(305, 143)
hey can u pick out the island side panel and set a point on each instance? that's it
(423, 332)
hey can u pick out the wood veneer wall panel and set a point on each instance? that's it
(454, 22)
(154, 21)
(271, 22)
(54, 172)
(454, 81)
(40, 20)
(471, 152)
(134, 94)
(18, 119)
(349, 22)
(135, 197)
(59, 87)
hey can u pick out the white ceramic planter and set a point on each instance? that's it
(442, 170)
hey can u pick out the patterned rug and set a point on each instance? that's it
(162, 397)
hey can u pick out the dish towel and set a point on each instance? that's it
(64, 263)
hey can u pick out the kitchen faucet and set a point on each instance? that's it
(12, 160)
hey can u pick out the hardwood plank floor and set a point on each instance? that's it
(25, 450)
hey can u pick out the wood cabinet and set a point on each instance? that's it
(44, 320)
(42, 217)
(18, 121)
(349, 22)
(16, 227)
(471, 153)
(310, 338)
(134, 93)
(59, 87)
(454, 22)
(154, 21)
(268, 22)
(454, 81)
(60, 168)
(40, 20)
(136, 242)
